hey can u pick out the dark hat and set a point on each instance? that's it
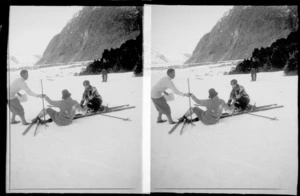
(65, 94)
(212, 93)
(233, 81)
(86, 82)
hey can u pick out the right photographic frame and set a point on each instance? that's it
(223, 104)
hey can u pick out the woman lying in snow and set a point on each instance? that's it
(67, 106)
(214, 107)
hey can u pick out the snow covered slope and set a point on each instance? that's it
(167, 58)
(22, 60)
(242, 154)
(245, 153)
(94, 154)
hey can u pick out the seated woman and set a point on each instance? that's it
(214, 108)
(67, 106)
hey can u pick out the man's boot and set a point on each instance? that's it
(23, 120)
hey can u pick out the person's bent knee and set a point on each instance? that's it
(195, 109)
(48, 110)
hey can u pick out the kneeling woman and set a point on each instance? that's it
(91, 97)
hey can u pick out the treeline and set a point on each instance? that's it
(126, 58)
(281, 55)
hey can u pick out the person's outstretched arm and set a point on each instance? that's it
(174, 89)
(54, 103)
(202, 102)
(28, 91)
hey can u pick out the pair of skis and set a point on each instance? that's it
(108, 110)
(255, 109)
(184, 122)
(29, 127)
(225, 115)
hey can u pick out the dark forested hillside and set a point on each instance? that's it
(129, 57)
(282, 54)
(244, 28)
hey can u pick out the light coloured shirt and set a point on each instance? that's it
(162, 85)
(67, 111)
(214, 108)
(17, 85)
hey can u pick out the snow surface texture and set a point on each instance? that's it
(242, 154)
(94, 154)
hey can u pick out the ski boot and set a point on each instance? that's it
(181, 119)
(45, 121)
(184, 118)
(35, 120)
(89, 111)
(103, 108)
(250, 107)
(188, 121)
(237, 110)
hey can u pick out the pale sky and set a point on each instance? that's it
(32, 27)
(179, 28)
(176, 28)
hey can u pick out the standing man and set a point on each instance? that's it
(253, 74)
(239, 96)
(13, 102)
(158, 99)
(104, 75)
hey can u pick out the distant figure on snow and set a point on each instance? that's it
(214, 108)
(13, 102)
(91, 98)
(104, 75)
(158, 99)
(238, 96)
(67, 106)
(253, 74)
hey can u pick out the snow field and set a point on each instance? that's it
(94, 154)
(245, 153)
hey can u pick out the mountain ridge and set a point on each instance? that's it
(90, 32)
(242, 29)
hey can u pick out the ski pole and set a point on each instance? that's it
(126, 119)
(43, 103)
(190, 101)
(275, 118)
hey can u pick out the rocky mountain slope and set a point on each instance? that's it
(91, 31)
(242, 29)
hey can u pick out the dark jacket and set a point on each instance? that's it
(90, 93)
(237, 92)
